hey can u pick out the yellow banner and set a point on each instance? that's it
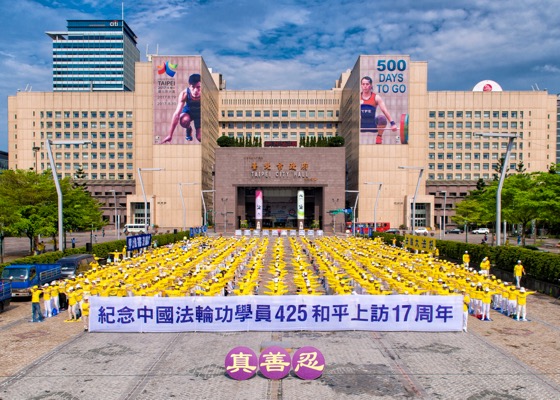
(420, 243)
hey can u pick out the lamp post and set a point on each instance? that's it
(511, 137)
(335, 204)
(413, 214)
(376, 201)
(183, 201)
(48, 144)
(355, 209)
(224, 201)
(204, 205)
(444, 207)
(117, 227)
(144, 194)
(35, 151)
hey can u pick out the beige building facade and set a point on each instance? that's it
(432, 134)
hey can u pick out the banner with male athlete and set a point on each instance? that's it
(384, 86)
(177, 99)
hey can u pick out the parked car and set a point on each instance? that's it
(394, 231)
(481, 231)
(420, 231)
(454, 231)
(75, 264)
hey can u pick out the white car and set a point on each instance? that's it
(420, 231)
(481, 231)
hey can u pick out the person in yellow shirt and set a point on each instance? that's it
(466, 259)
(485, 266)
(36, 313)
(518, 272)
(522, 304)
(71, 296)
(54, 297)
(47, 300)
(486, 301)
(85, 312)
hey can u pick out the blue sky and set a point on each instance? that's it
(288, 44)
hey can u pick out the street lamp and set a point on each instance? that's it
(376, 201)
(224, 201)
(444, 206)
(117, 227)
(511, 137)
(204, 205)
(355, 209)
(144, 194)
(183, 201)
(35, 151)
(335, 204)
(48, 144)
(413, 214)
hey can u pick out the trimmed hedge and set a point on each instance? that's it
(539, 265)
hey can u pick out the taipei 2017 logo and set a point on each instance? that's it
(167, 68)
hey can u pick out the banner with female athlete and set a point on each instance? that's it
(384, 89)
(177, 96)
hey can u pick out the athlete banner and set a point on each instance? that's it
(276, 313)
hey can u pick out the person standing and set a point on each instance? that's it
(73, 243)
(47, 300)
(36, 313)
(485, 266)
(522, 304)
(85, 312)
(466, 259)
(518, 272)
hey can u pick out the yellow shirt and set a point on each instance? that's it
(35, 295)
(85, 308)
(522, 298)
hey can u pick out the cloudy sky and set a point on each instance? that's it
(289, 44)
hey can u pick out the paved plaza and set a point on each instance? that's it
(499, 359)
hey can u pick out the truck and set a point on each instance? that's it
(5, 295)
(24, 276)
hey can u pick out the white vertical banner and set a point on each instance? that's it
(276, 313)
(258, 204)
(301, 205)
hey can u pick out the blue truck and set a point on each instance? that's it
(24, 276)
(5, 295)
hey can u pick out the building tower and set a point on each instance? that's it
(94, 55)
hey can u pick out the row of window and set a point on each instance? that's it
(477, 124)
(460, 135)
(475, 156)
(459, 177)
(279, 113)
(86, 166)
(94, 156)
(281, 135)
(246, 102)
(278, 125)
(102, 175)
(86, 125)
(86, 135)
(477, 114)
(470, 145)
(467, 166)
(75, 80)
(85, 114)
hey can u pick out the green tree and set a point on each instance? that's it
(468, 212)
(29, 205)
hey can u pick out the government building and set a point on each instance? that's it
(150, 146)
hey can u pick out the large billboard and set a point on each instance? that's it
(384, 85)
(177, 98)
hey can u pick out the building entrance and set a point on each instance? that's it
(277, 207)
